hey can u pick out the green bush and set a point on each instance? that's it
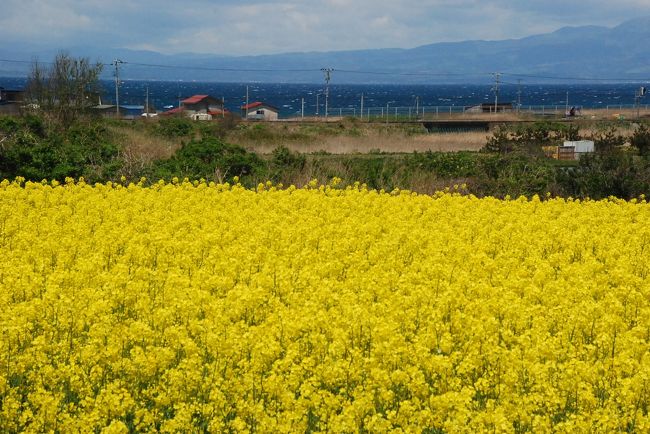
(9, 125)
(445, 164)
(285, 163)
(258, 131)
(513, 175)
(32, 151)
(378, 171)
(211, 159)
(602, 175)
(172, 127)
(219, 127)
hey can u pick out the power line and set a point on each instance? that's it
(20, 61)
(186, 67)
(549, 77)
(207, 68)
(414, 74)
(363, 72)
(342, 71)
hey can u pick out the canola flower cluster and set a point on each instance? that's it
(194, 307)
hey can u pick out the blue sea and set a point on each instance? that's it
(346, 99)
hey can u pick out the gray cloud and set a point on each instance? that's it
(272, 26)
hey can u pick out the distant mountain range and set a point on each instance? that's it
(573, 53)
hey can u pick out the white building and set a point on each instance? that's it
(260, 111)
(580, 147)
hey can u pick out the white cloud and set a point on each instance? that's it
(41, 19)
(270, 26)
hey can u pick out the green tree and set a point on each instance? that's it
(641, 140)
(607, 140)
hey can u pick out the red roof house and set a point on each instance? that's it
(260, 111)
(200, 107)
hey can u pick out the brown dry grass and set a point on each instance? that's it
(140, 148)
(448, 142)
(345, 137)
(614, 113)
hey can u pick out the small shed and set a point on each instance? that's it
(570, 150)
(127, 111)
(260, 111)
(566, 153)
(11, 100)
(131, 111)
(11, 96)
(582, 146)
(489, 108)
(104, 110)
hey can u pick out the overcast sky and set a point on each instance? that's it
(274, 26)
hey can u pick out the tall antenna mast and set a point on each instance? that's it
(117, 63)
(328, 77)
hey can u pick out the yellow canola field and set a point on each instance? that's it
(212, 308)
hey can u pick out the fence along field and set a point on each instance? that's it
(188, 307)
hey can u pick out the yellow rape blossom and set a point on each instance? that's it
(195, 307)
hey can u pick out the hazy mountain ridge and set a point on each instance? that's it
(620, 52)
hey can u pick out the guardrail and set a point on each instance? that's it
(389, 113)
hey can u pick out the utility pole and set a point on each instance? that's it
(328, 77)
(246, 105)
(518, 95)
(146, 105)
(497, 83)
(317, 104)
(362, 106)
(637, 100)
(566, 112)
(417, 107)
(302, 108)
(117, 63)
